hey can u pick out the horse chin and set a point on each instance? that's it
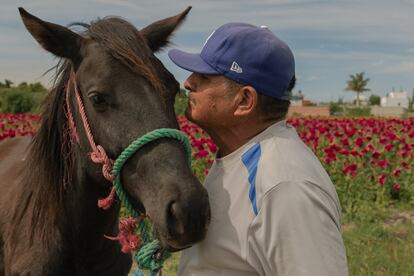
(169, 243)
(173, 246)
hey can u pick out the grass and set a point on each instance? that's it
(378, 249)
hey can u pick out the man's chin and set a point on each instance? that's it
(188, 114)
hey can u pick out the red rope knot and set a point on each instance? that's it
(127, 237)
(99, 156)
(106, 203)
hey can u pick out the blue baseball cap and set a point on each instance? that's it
(245, 53)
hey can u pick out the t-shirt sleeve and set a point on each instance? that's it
(296, 232)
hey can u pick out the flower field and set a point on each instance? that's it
(370, 160)
(12, 125)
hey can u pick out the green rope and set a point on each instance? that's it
(146, 253)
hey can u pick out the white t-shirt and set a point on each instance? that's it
(274, 210)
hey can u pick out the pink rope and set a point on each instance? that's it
(98, 154)
(106, 203)
(69, 115)
(127, 237)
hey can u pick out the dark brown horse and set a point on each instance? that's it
(50, 223)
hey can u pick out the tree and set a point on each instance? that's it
(37, 87)
(23, 86)
(8, 83)
(358, 84)
(374, 100)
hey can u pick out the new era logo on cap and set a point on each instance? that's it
(236, 68)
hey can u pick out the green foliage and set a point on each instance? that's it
(25, 97)
(358, 112)
(180, 104)
(336, 109)
(374, 100)
(18, 102)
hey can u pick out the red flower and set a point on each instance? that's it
(396, 172)
(359, 142)
(389, 147)
(370, 147)
(201, 154)
(354, 153)
(381, 179)
(404, 164)
(376, 154)
(396, 187)
(212, 147)
(383, 140)
(345, 142)
(350, 168)
(382, 163)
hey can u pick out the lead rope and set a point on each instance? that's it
(134, 231)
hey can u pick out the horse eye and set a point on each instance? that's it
(97, 99)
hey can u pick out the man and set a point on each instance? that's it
(275, 210)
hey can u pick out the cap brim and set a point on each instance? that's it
(191, 62)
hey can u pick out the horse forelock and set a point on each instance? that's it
(125, 43)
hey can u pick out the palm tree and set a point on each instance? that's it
(358, 84)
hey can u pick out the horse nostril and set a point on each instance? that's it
(175, 223)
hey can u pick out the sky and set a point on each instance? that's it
(330, 39)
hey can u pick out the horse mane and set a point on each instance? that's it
(48, 175)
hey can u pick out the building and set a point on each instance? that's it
(363, 100)
(396, 99)
(297, 99)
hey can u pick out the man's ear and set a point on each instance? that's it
(54, 38)
(245, 101)
(158, 33)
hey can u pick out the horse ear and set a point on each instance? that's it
(54, 38)
(157, 33)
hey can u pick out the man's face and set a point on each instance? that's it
(210, 103)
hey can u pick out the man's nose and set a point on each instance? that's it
(189, 84)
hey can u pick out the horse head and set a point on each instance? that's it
(126, 93)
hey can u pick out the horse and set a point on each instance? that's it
(50, 223)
